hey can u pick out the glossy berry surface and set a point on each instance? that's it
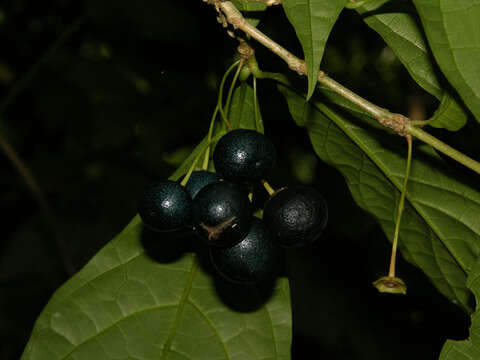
(222, 213)
(252, 260)
(296, 216)
(198, 180)
(244, 155)
(165, 206)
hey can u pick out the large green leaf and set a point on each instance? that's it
(251, 10)
(440, 230)
(403, 34)
(124, 304)
(453, 33)
(467, 349)
(313, 20)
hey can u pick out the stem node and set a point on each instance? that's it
(396, 122)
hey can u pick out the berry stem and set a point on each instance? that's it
(391, 270)
(197, 158)
(220, 95)
(219, 106)
(209, 138)
(255, 105)
(267, 187)
(255, 70)
(232, 86)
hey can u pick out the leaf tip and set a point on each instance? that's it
(312, 84)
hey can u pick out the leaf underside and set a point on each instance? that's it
(467, 349)
(440, 229)
(402, 32)
(453, 33)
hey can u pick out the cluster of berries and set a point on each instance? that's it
(218, 207)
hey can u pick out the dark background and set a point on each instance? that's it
(123, 98)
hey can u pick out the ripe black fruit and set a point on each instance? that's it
(244, 155)
(165, 206)
(250, 261)
(296, 216)
(198, 180)
(222, 213)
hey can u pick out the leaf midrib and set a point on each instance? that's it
(311, 76)
(309, 43)
(180, 308)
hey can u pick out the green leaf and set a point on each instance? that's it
(467, 349)
(125, 305)
(313, 20)
(453, 33)
(251, 10)
(440, 231)
(403, 34)
(450, 114)
(242, 110)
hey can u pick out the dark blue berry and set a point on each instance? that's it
(251, 261)
(222, 213)
(165, 206)
(244, 155)
(198, 180)
(296, 216)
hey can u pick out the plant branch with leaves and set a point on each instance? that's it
(126, 304)
(229, 14)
